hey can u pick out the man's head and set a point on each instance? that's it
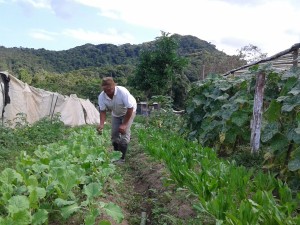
(108, 85)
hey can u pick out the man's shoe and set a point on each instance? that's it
(120, 161)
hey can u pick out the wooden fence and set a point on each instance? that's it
(282, 61)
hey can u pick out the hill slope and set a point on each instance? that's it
(201, 55)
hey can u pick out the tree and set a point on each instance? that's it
(251, 53)
(25, 76)
(159, 68)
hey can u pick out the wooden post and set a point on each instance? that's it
(295, 58)
(257, 112)
(144, 218)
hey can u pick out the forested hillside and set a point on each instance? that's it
(78, 70)
(199, 52)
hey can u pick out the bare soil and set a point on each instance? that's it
(146, 191)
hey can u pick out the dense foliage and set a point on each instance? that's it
(160, 71)
(99, 56)
(219, 112)
(50, 182)
(27, 137)
(79, 70)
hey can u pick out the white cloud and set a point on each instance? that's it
(265, 23)
(42, 35)
(110, 14)
(271, 25)
(110, 36)
(35, 3)
(62, 8)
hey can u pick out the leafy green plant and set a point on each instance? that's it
(27, 137)
(219, 112)
(280, 136)
(65, 177)
(229, 193)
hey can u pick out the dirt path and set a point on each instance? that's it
(144, 192)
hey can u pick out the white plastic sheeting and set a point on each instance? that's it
(37, 103)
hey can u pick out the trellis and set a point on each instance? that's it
(283, 61)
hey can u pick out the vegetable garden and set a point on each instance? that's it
(59, 179)
(55, 183)
(51, 174)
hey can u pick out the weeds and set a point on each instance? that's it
(27, 137)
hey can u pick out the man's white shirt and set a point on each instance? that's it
(121, 101)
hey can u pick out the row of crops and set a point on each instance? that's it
(56, 181)
(69, 178)
(228, 193)
(218, 115)
(60, 180)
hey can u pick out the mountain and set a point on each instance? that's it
(204, 58)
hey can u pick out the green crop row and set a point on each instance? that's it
(231, 194)
(59, 180)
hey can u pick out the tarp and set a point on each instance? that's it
(36, 104)
(1, 97)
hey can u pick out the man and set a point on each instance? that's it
(123, 109)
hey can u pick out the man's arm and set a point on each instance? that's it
(126, 119)
(102, 120)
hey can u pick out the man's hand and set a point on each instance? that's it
(100, 129)
(122, 128)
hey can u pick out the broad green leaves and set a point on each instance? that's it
(219, 112)
(273, 112)
(65, 177)
(17, 203)
(40, 217)
(93, 190)
(220, 106)
(8, 176)
(269, 131)
(294, 165)
(114, 211)
(67, 211)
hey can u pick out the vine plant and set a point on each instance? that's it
(219, 113)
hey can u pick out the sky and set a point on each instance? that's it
(271, 25)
